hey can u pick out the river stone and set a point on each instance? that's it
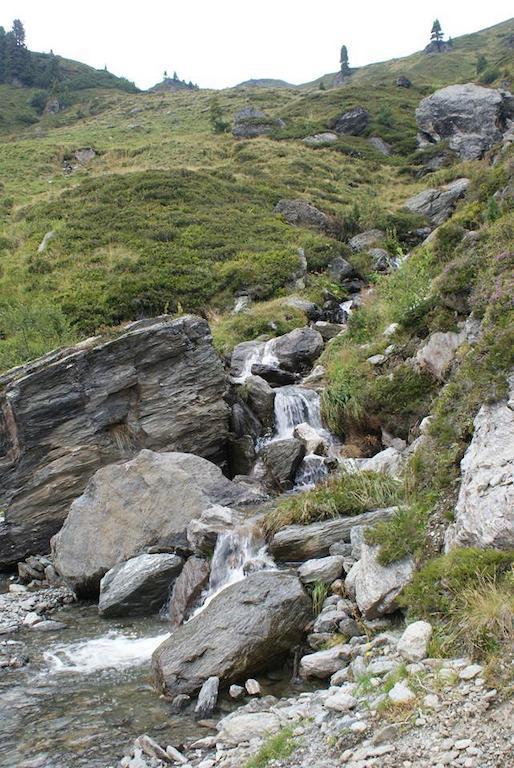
(413, 644)
(247, 628)
(323, 664)
(207, 698)
(303, 542)
(187, 589)
(246, 726)
(281, 460)
(472, 118)
(484, 515)
(138, 587)
(437, 204)
(203, 532)
(104, 526)
(326, 569)
(298, 349)
(158, 385)
(377, 586)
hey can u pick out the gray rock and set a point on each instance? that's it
(471, 117)
(207, 698)
(378, 586)
(84, 155)
(281, 460)
(187, 589)
(325, 569)
(403, 82)
(298, 349)
(484, 514)
(245, 629)
(382, 261)
(413, 644)
(313, 441)
(340, 270)
(203, 532)
(247, 726)
(380, 145)
(323, 664)
(388, 462)
(252, 687)
(437, 354)
(366, 240)
(159, 385)
(438, 204)
(354, 122)
(241, 455)
(138, 587)
(250, 122)
(236, 691)
(295, 543)
(302, 214)
(320, 139)
(104, 527)
(329, 330)
(274, 376)
(44, 242)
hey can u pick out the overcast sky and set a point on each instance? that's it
(218, 43)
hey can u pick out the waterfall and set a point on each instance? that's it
(261, 353)
(293, 406)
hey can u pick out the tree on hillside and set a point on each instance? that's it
(165, 76)
(17, 61)
(2, 54)
(345, 67)
(436, 34)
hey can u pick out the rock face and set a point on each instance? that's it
(471, 117)
(251, 122)
(438, 204)
(160, 385)
(105, 525)
(303, 542)
(282, 459)
(377, 586)
(138, 587)
(484, 515)
(353, 122)
(245, 629)
(302, 214)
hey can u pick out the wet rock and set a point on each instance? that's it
(241, 455)
(413, 644)
(298, 349)
(483, 514)
(245, 629)
(207, 698)
(302, 214)
(260, 397)
(354, 122)
(62, 417)
(138, 587)
(274, 376)
(187, 589)
(203, 532)
(282, 458)
(366, 240)
(472, 118)
(104, 527)
(313, 441)
(325, 569)
(303, 542)
(438, 204)
(377, 586)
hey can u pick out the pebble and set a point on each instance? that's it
(463, 744)
(469, 672)
(401, 693)
(252, 687)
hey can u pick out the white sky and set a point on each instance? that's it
(218, 43)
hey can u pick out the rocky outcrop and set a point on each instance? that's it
(165, 490)
(159, 385)
(438, 204)
(377, 587)
(484, 515)
(250, 122)
(354, 122)
(302, 214)
(470, 117)
(282, 458)
(140, 586)
(303, 542)
(246, 628)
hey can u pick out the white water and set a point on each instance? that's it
(111, 651)
(346, 308)
(263, 353)
(293, 406)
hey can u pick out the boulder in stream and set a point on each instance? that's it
(298, 349)
(247, 628)
(282, 459)
(138, 587)
(187, 589)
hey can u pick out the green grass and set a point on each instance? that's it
(277, 747)
(342, 494)
(319, 593)
(403, 535)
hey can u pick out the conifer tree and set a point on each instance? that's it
(2, 54)
(345, 67)
(18, 63)
(436, 34)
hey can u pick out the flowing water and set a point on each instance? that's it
(261, 353)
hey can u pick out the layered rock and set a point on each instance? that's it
(437, 204)
(484, 515)
(159, 385)
(246, 628)
(187, 589)
(470, 117)
(354, 122)
(127, 508)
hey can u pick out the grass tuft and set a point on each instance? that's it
(277, 747)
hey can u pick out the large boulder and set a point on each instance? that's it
(159, 385)
(484, 515)
(470, 117)
(282, 459)
(247, 628)
(140, 586)
(437, 354)
(260, 397)
(298, 349)
(302, 214)
(377, 586)
(295, 543)
(437, 204)
(325, 569)
(250, 122)
(354, 122)
(127, 508)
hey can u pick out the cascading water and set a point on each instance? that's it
(262, 353)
